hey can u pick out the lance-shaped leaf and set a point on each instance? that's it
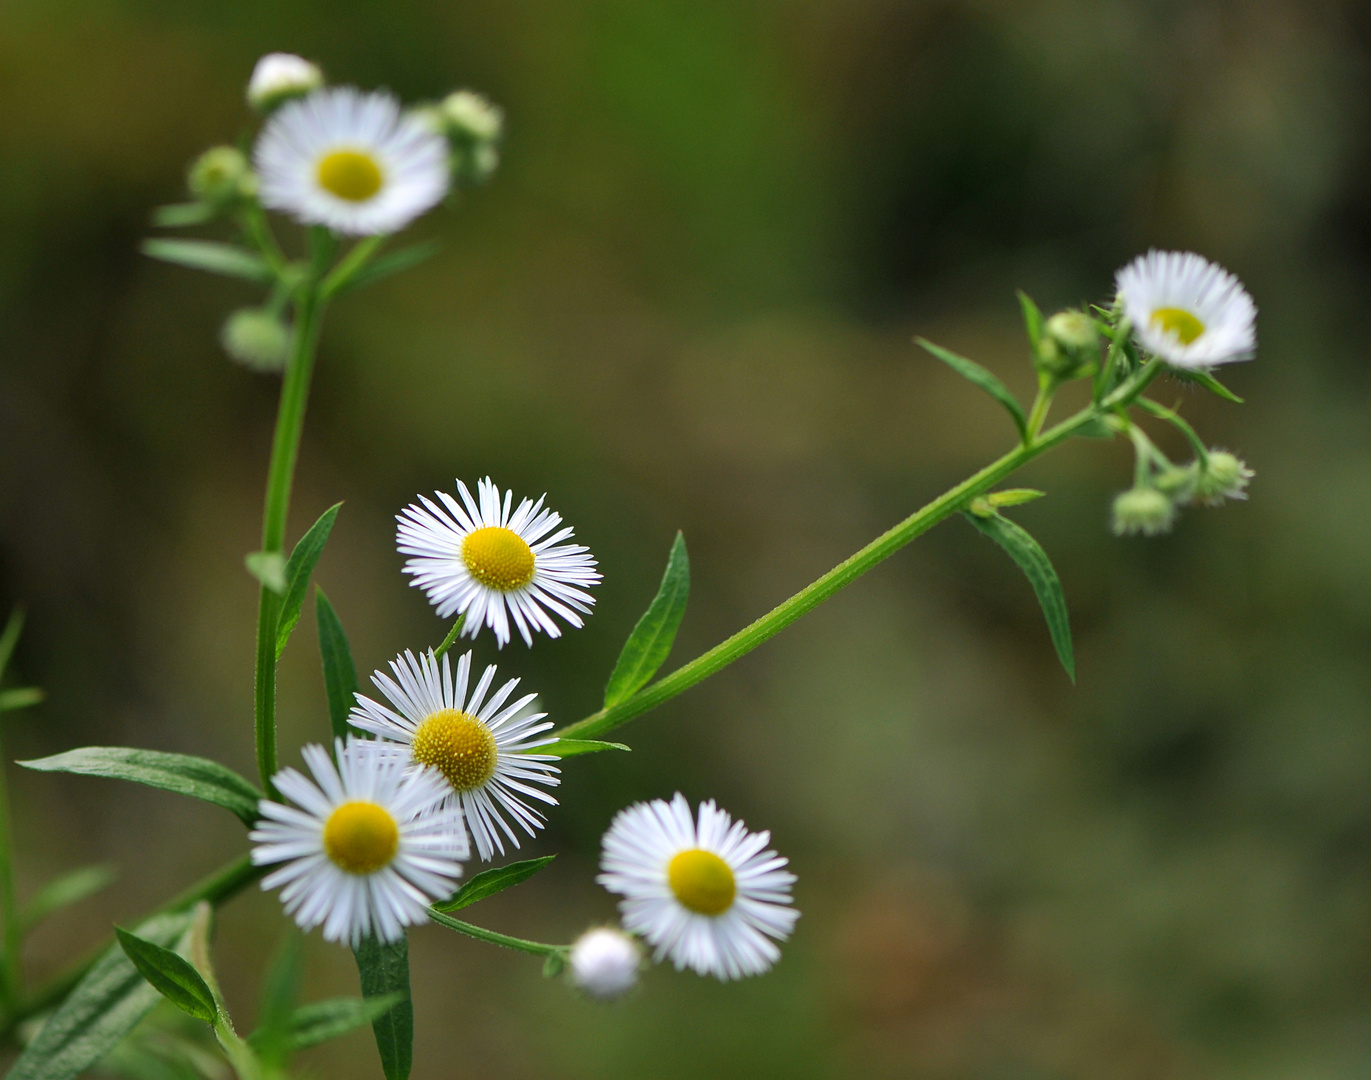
(1033, 561)
(1032, 321)
(9, 636)
(489, 882)
(298, 570)
(565, 748)
(272, 1041)
(323, 1020)
(386, 265)
(212, 256)
(20, 698)
(974, 373)
(340, 673)
(171, 975)
(197, 777)
(384, 968)
(648, 646)
(101, 1009)
(177, 215)
(70, 888)
(1210, 383)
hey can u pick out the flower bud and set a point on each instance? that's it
(472, 127)
(1177, 483)
(257, 339)
(220, 175)
(278, 77)
(1225, 477)
(1070, 345)
(605, 963)
(1143, 510)
(472, 117)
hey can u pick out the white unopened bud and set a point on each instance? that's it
(257, 339)
(1143, 510)
(278, 77)
(605, 963)
(471, 116)
(1225, 477)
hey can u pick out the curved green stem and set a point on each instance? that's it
(480, 933)
(847, 571)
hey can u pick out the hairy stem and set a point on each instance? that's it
(537, 948)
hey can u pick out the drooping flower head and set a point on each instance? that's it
(705, 894)
(366, 846)
(479, 559)
(605, 962)
(476, 743)
(350, 160)
(1188, 311)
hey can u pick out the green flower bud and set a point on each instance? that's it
(471, 117)
(1070, 347)
(279, 77)
(1225, 477)
(219, 175)
(1143, 510)
(1178, 483)
(257, 339)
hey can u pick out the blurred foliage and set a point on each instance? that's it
(686, 301)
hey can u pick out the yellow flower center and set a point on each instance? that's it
(498, 558)
(1178, 321)
(459, 746)
(702, 881)
(350, 174)
(361, 837)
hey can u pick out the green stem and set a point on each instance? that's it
(451, 637)
(1172, 417)
(847, 571)
(357, 257)
(1041, 404)
(537, 948)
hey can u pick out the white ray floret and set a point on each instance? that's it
(477, 742)
(706, 894)
(366, 847)
(476, 558)
(350, 160)
(1188, 311)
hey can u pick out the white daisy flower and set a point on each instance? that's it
(477, 743)
(278, 77)
(1188, 311)
(604, 963)
(368, 847)
(351, 161)
(478, 559)
(708, 896)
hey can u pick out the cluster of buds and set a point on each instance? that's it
(1151, 505)
(473, 128)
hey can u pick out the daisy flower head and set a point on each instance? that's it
(704, 893)
(366, 846)
(478, 559)
(1188, 311)
(279, 77)
(350, 160)
(475, 743)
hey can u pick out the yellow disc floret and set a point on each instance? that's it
(498, 558)
(702, 881)
(1178, 321)
(459, 746)
(361, 837)
(350, 174)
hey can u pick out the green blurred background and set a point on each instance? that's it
(686, 301)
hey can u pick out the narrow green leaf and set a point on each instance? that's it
(274, 1038)
(101, 1009)
(9, 637)
(323, 1020)
(340, 674)
(1032, 320)
(576, 747)
(384, 968)
(20, 698)
(554, 965)
(70, 888)
(1013, 496)
(197, 777)
(974, 373)
(298, 570)
(489, 882)
(389, 264)
(171, 975)
(269, 568)
(648, 646)
(180, 214)
(212, 256)
(1210, 383)
(1033, 561)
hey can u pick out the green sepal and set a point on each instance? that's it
(108, 1002)
(386, 265)
(184, 774)
(320, 1021)
(340, 673)
(171, 975)
(974, 373)
(384, 970)
(269, 568)
(650, 643)
(212, 256)
(70, 888)
(565, 748)
(1205, 379)
(20, 698)
(1037, 567)
(1032, 321)
(178, 215)
(489, 882)
(1013, 496)
(298, 570)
